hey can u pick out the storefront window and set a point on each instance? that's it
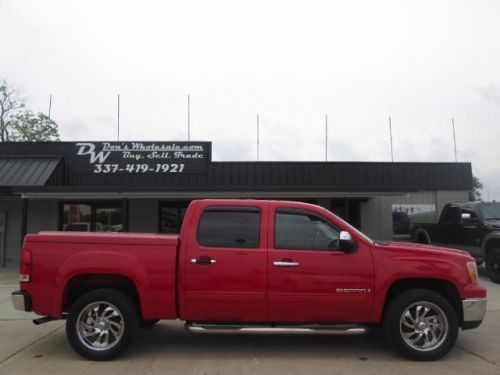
(92, 217)
(171, 216)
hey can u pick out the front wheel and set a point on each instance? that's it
(101, 324)
(493, 265)
(421, 324)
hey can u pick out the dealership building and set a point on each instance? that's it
(146, 187)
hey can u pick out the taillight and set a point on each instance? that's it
(25, 268)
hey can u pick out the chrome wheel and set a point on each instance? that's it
(100, 326)
(423, 326)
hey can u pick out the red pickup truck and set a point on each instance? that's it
(250, 266)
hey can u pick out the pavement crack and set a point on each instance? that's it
(479, 356)
(2, 361)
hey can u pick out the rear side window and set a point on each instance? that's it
(229, 227)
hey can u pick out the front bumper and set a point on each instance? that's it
(474, 310)
(21, 301)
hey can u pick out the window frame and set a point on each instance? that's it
(301, 211)
(222, 208)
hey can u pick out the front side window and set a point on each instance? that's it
(299, 229)
(235, 227)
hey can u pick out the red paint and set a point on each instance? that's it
(243, 285)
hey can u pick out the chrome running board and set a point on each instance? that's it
(280, 329)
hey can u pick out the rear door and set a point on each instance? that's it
(224, 265)
(310, 279)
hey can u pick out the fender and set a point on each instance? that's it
(115, 263)
(412, 266)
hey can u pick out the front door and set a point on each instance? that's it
(224, 273)
(310, 279)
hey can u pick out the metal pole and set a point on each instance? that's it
(326, 137)
(454, 139)
(50, 104)
(118, 133)
(390, 133)
(258, 139)
(189, 118)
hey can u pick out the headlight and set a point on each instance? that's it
(472, 267)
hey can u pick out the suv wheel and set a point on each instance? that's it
(101, 324)
(421, 324)
(493, 265)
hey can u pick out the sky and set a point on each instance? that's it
(290, 62)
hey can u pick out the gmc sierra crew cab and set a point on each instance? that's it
(249, 266)
(472, 226)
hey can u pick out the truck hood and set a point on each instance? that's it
(424, 249)
(495, 224)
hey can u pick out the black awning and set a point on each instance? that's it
(26, 171)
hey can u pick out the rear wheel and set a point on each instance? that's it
(421, 324)
(101, 324)
(493, 265)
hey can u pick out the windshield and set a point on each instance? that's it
(361, 234)
(490, 211)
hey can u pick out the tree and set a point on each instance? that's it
(19, 124)
(10, 105)
(477, 186)
(31, 127)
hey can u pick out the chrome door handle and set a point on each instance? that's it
(203, 261)
(282, 263)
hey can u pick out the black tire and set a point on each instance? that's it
(100, 315)
(145, 323)
(493, 265)
(411, 341)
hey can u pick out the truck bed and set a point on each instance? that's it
(147, 261)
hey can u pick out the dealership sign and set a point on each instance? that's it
(142, 157)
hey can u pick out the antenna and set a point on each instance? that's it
(454, 138)
(189, 118)
(118, 134)
(50, 104)
(326, 137)
(258, 138)
(390, 134)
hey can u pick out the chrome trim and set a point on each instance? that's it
(100, 326)
(195, 261)
(18, 302)
(345, 236)
(474, 309)
(324, 330)
(285, 264)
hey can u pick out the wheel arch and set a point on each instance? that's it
(83, 283)
(492, 241)
(420, 234)
(445, 288)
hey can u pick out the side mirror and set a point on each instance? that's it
(466, 218)
(347, 244)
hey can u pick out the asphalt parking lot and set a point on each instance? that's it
(168, 349)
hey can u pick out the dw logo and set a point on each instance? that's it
(89, 149)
